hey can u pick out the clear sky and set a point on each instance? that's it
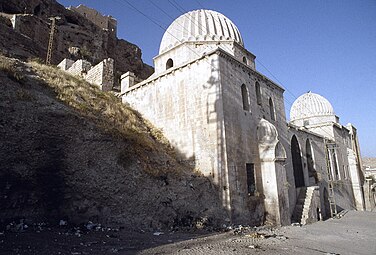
(326, 46)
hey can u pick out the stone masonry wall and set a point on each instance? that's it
(79, 68)
(242, 145)
(102, 74)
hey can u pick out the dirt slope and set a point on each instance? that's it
(69, 151)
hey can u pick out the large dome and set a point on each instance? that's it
(310, 105)
(199, 25)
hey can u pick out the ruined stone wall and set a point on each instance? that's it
(79, 68)
(102, 74)
(104, 22)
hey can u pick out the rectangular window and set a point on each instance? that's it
(251, 179)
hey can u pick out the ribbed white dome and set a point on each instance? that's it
(310, 105)
(199, 25)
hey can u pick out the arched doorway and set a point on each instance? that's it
(312, 174)
(297, 162)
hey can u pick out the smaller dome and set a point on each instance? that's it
(310, 105)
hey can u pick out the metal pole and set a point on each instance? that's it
(51, 39)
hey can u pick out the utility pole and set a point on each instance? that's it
(51, 40)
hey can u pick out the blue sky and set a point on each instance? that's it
(328, 47)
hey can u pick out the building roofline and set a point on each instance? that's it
(219, 51)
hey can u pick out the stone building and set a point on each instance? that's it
(228, 121)
(105, 22)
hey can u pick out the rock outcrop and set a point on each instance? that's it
(25, 28)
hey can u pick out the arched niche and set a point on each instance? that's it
(297, 162)
(312, 173)
(280, 152)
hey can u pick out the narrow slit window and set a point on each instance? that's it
(258, 93)
(245, 98)
(271, 108)
(251, 184)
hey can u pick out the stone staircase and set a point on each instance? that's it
(303, 208)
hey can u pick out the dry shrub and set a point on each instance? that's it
(10, 68)
(24, 95)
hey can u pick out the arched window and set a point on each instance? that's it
(271, 109)
(245, 60)
(169, 63)
(258, 93)
(245, 98)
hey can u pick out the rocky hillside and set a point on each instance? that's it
(25, 27)
(69, 151)
(369, 162)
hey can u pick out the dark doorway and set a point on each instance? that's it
(297, 163)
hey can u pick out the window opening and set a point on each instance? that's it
(251, 178)
(258, 93)
(245, 98)
(169, 63)
(271, 109)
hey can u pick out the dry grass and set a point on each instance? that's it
(104, 107)
(106, 110)
(10, 68)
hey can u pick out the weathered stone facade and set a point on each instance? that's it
(229, 122)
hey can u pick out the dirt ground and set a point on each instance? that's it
(354, 233)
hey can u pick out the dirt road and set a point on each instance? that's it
(354, 233)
